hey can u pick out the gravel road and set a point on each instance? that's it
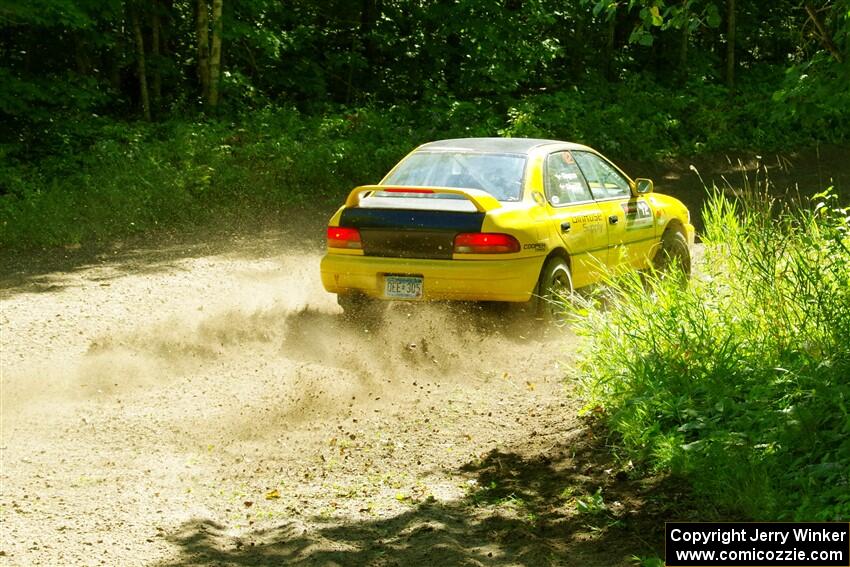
(207, 405)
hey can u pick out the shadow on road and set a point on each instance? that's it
(52, 269)
(523, 510)
(57, 269)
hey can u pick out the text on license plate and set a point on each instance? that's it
(403, 287)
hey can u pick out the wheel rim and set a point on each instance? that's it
(560, 286)
(560, 283)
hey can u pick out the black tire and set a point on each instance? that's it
(674, 256)
(556, 282)
(360, 308)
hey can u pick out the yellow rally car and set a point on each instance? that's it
(498, 219)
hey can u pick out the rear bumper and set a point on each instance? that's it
(467, 280)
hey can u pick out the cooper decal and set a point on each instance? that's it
(539, 246)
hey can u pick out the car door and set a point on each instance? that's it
(630, 220)
(575, 217)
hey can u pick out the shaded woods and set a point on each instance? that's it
(164, 58)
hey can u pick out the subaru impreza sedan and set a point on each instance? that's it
(499, 220)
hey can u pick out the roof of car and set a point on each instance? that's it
(507, 145)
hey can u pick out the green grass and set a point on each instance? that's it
(741, 381)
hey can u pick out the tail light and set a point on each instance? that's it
(343, 237)
(485, 243)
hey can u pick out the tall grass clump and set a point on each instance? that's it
(741, 380)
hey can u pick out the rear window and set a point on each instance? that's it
(498, 174)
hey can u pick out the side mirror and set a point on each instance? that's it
(644, 185)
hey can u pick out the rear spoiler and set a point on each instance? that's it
(482, 200)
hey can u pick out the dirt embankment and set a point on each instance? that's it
(208, 406)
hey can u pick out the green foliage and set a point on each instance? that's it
(740, 380)
(591, 504)
(394, 51)
(132, 178)
(814, 95)
(690, 15)
(643, 119)
(649, 561)
(140, 177)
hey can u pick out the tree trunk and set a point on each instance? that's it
(81, 55)
(369, 11)
(609, 43)
(166, 25)
(684, 45)
(823, 35)
(202, 29)
(140, 59)
(350, 76)
(114, 62)
(155, 53)
(215, 53)
(730, 43)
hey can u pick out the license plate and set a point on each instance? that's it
(403, 287)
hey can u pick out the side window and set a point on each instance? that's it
(564, 182)
(605, 181)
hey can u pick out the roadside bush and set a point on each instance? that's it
(644, 120)
(741, 381)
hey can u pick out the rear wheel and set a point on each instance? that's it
(556, 283)
(674, 256)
